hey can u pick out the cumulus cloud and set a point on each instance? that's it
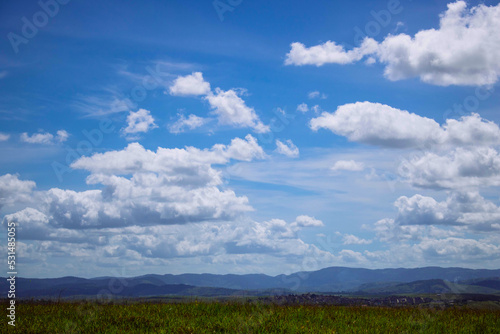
(139, 121)
(139, 187)
(443, 251)
(349, 165)
(388, 230)
(303, 108)
(243, 150)
(426, 230)
(316, 95)
(228, 106)
(460, 153)
(287, 148)
(350, 239)
(232, 110)
(192, 84)
(464, 50)
(383, 125)
(183, 123)
(62, 136)
(14, 191)
(459, 168)
(458, 249)
(378, 124)
(45, 138)
(274, 238)
(464, 211)
(305, 221)
(4, 136)
(329, 52)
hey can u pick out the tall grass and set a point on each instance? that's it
(233, 317)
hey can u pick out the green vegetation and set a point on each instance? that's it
(241, 317)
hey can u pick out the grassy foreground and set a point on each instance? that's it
(233, 317)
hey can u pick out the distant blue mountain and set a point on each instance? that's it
(333, 279)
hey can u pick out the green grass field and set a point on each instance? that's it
(234, 317)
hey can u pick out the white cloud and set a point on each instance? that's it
(428, 231)
(44, 138)
(467, 210)
(243, 150)
(4, 137)
(382, 125)
(228, 106)
(188, 162)
(379, 124)
(139, 187)
(14, 191)
(305, 221)
(288, 148)
(139, 121)
(62, 136)
(459, 168)
(329, 52)
(303, 108)
(464, 50)
(316, 95)
(350, 256)
(258, 242)
(350, 239)
(192, 84)
(388, 230)
(183, 123)
(471, 130)
(349, 165)
(316, 109)
(458, 249)
(232, 110)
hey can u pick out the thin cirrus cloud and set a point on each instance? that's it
(45, 137)
(464, 50)
(4, 136)
(228, 106)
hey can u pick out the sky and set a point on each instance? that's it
(235, 136)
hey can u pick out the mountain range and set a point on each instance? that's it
(327, 280)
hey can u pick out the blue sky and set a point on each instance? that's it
(249, 136)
